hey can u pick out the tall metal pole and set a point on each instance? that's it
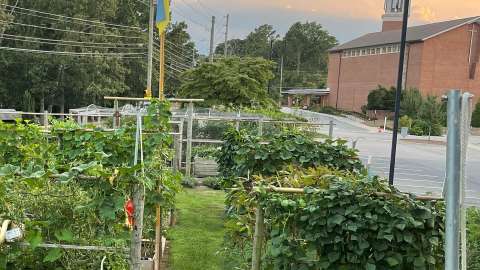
(212, 37)
(226, 36)
(452, 197)
(148, 91)
(398, 96)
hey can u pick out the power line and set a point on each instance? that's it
(189, 19)
(177, 61)
(70, 31)
(157, 47)
(78, 23)
(77, 42)
(200, 3)
(72, 18)
(87, 54)
(59, 43)
(196, 11)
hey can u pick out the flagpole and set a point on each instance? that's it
(161, 69)
(148, 91)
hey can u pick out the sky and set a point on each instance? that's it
(345, 19)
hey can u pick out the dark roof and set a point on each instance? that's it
(414, 34)
(313, 92)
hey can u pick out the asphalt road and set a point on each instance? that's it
(420, 166)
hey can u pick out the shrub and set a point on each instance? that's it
(327, 110)
(213, 183)
(381, 99)
(473, 235)
(189, 182)
(476, 116)
(406, 121)
(412, 101)
(423, 128)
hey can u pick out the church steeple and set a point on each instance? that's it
(393, 17)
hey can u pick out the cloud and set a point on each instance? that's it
(346, 19)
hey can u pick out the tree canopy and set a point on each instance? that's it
(98, 49)
(233, 81)
(304, 49)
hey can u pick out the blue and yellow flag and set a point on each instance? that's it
(163, 14)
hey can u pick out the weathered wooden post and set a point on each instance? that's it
(188, 168)
(260, 127)
(45, 119)
(116, 114)
(180, 146)
(258, 238)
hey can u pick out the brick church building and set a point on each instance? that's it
(439, 56)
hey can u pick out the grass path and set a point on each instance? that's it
(199, 232)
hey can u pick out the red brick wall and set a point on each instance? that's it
(414, 65)
(391, 25)
(333, 69)
(445, 62)
(360, 75)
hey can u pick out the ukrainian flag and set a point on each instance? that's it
(163, 14)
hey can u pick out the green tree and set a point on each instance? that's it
(60, 82)
(307, 46)
(233, 81)
(412, 101)
(180, 55)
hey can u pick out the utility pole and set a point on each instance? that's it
(212, 37)
(281, 81)
(225, 49)
(148, 91)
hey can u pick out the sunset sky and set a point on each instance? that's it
(345, 19)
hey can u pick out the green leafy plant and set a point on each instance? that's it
(406, 121)
(346, 221)
(70, 185)
(213, 183)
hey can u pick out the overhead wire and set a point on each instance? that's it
(195, 10)
(60, 43)
(87, 54)
(176, 61)
(73, 18)
(78, 42)
(78, 23)
(183, 56)
(206, 28)
(70, 31)
(200, 3)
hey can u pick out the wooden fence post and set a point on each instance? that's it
(258, 239)
(45, 119)
(180, 146)
(260, 127)
(188, 168)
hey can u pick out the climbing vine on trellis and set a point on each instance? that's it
(69, 186)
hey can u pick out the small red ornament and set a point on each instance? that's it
(129, 208)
